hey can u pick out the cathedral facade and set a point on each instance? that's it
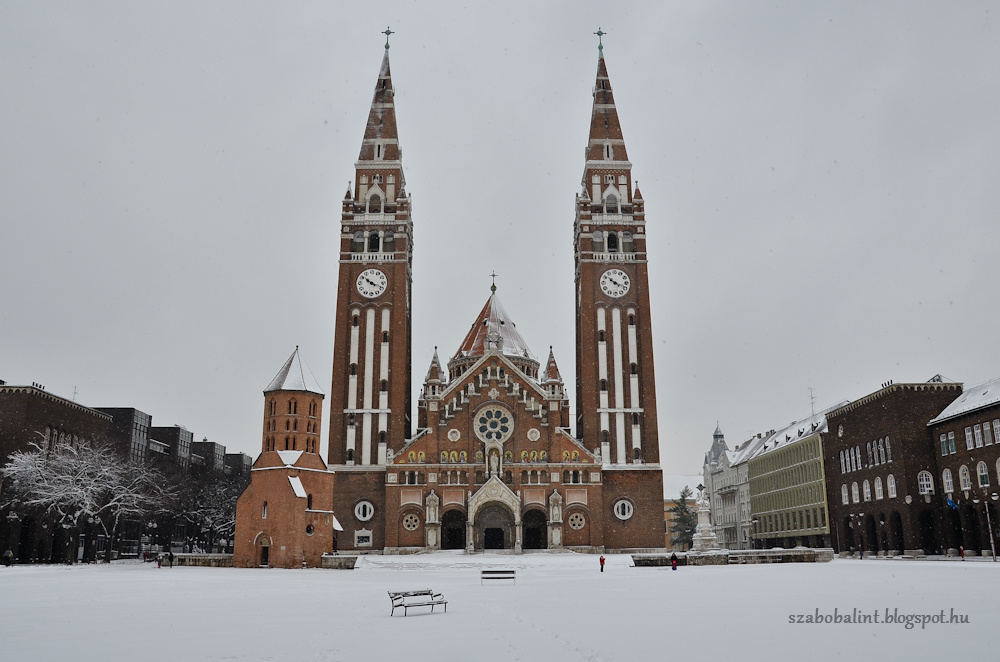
(494, 460)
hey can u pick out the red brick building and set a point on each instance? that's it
(493, 462)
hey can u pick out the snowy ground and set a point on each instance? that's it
(561, 608)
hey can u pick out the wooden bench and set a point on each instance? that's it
(423, 598)
(490, 575)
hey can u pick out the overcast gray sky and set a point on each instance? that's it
(821, 187)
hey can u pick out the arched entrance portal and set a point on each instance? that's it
(533, 524)
(453, 530)
(263, 545)
(494, 528)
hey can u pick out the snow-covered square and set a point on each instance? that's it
(561, 607)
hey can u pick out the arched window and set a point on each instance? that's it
(611, 206)
(612, 242)
(947, 482)
(964, 480)
(604, 437)
(388, 241)
(925, 483)
(879, 494)
(984, 474)
(263, 511)
(881, 451)
(600, 336)
(354, 368)
(631, 320)
(374, 205)
(358, 242)
(385, 336)
(867, 490)
(843, 495)
(604, 385)
(381, 437)
(384, 386)
(634, 369)
(636, 455)
(309, 502)
(350, 455)
(287, 425)
(373, 240)
(286, 443)
(843, 469)
(869, 449)
(628, 243)
(354, 322)
(635, 419)
(855, 494)
(888, 450)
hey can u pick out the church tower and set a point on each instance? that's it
(616, 399)
(370, 393)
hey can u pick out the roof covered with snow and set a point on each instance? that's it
(289, 458)
(297, 487)
(294, 376)
(815, 424)
(493, 323)
(972, 399)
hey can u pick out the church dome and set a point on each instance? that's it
(493, 330)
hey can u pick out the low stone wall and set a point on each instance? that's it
(339, 561)
(743, 556)
(200, 560)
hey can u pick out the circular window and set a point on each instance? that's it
(494, 423)
(840, 430)
(309, 529)
(533, 434)
(454, 434)
(411, 522)
(364, 511)
(623, 509)
(576, 521)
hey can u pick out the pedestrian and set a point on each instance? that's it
(673, 561)
(159, 560)
(961, 550)
(861, 553)
(602, 562)
(8, 558)
(170, 558)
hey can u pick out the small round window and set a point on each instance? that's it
(309, 529)
(411, 522)
(623, 509)
(576, 521)
(494, 424)
(364, 511)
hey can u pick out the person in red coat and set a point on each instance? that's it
(602, 563)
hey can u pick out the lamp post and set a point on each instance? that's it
(753, 533)
(989, 522)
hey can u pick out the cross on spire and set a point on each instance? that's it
(600, 42)
(388, 32)
(493, 287)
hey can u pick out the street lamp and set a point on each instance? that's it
(753, 532)
(989, 522)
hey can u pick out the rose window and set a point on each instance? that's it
(411, 522)
(494, 424)
(576, 521)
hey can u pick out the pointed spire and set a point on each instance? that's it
(434, 371)
(718, 430)
(605, 130)
(381, 142)
(294, 376)
(551, 373)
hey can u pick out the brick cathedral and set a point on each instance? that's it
(493, 461)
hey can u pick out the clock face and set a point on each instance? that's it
(372, 283)
(615, 283)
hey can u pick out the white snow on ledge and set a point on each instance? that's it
(297, 487)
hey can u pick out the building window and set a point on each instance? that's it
(964, 480)
(576, 521)
(843, 495)
(358, 242)
(925, 483)
(888, 450)
(623, 509)
(263, 511)
(968, 439)
(996, 429)
(868, 490)
(987, 434)
(411, 522)
(984, 474)
(947, 482)
(881, 451)
(951, 443)
(598, 241)
(309, 502)
(944, 445)
(612, 242)
(890, 484)
(855, 494)
(843, 469)
(879, 494)
(364, 510)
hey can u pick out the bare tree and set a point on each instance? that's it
(71, 485)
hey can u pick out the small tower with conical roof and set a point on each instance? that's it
(293, 409)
